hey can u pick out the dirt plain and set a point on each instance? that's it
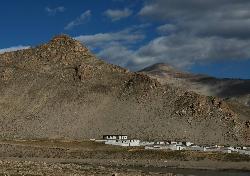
(60, 157)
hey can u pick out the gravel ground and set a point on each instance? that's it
(52, 157)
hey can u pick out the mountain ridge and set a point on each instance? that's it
(191, 79)
(235, 91)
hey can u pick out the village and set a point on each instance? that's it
(124, 141)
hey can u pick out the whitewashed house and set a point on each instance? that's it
(226, 150)
(146, 143)
(188, 144)
(166, 147)
(159, 143)
(124, 143)
(121, 140)
(115, 137)
(180, 147)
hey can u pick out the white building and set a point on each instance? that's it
(124, 142)
(146, 143)
(115, 137)
(188, 143)
(159, 143)
(166, 147)
(180, 147)
(121, 140)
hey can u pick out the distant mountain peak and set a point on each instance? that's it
(166, 67)
(160, 66)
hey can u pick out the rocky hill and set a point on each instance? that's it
(235, 91)
(61, 90)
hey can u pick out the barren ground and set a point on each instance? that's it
(57, 157)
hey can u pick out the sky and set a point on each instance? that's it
(208, 37)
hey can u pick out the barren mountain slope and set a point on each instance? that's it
(235, 91)
(61, 90)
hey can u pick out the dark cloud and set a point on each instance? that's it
(167, 28)
(224, 18)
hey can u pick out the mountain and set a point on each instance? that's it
(60, 90)
(235, 91)
(203, 84)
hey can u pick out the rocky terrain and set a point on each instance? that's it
(60, 90)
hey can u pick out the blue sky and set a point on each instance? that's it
(209, 37)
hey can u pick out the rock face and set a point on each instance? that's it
(61, 90)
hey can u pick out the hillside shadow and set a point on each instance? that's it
(226, 87)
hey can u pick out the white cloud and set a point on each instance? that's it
(128, 35)
(180, 50)
(116, 15)
(183, 51)
(115, 46)
(195, 32)
(53, 11)
(79, 20)
(13, 48)
(191, 32)
(117, 54)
